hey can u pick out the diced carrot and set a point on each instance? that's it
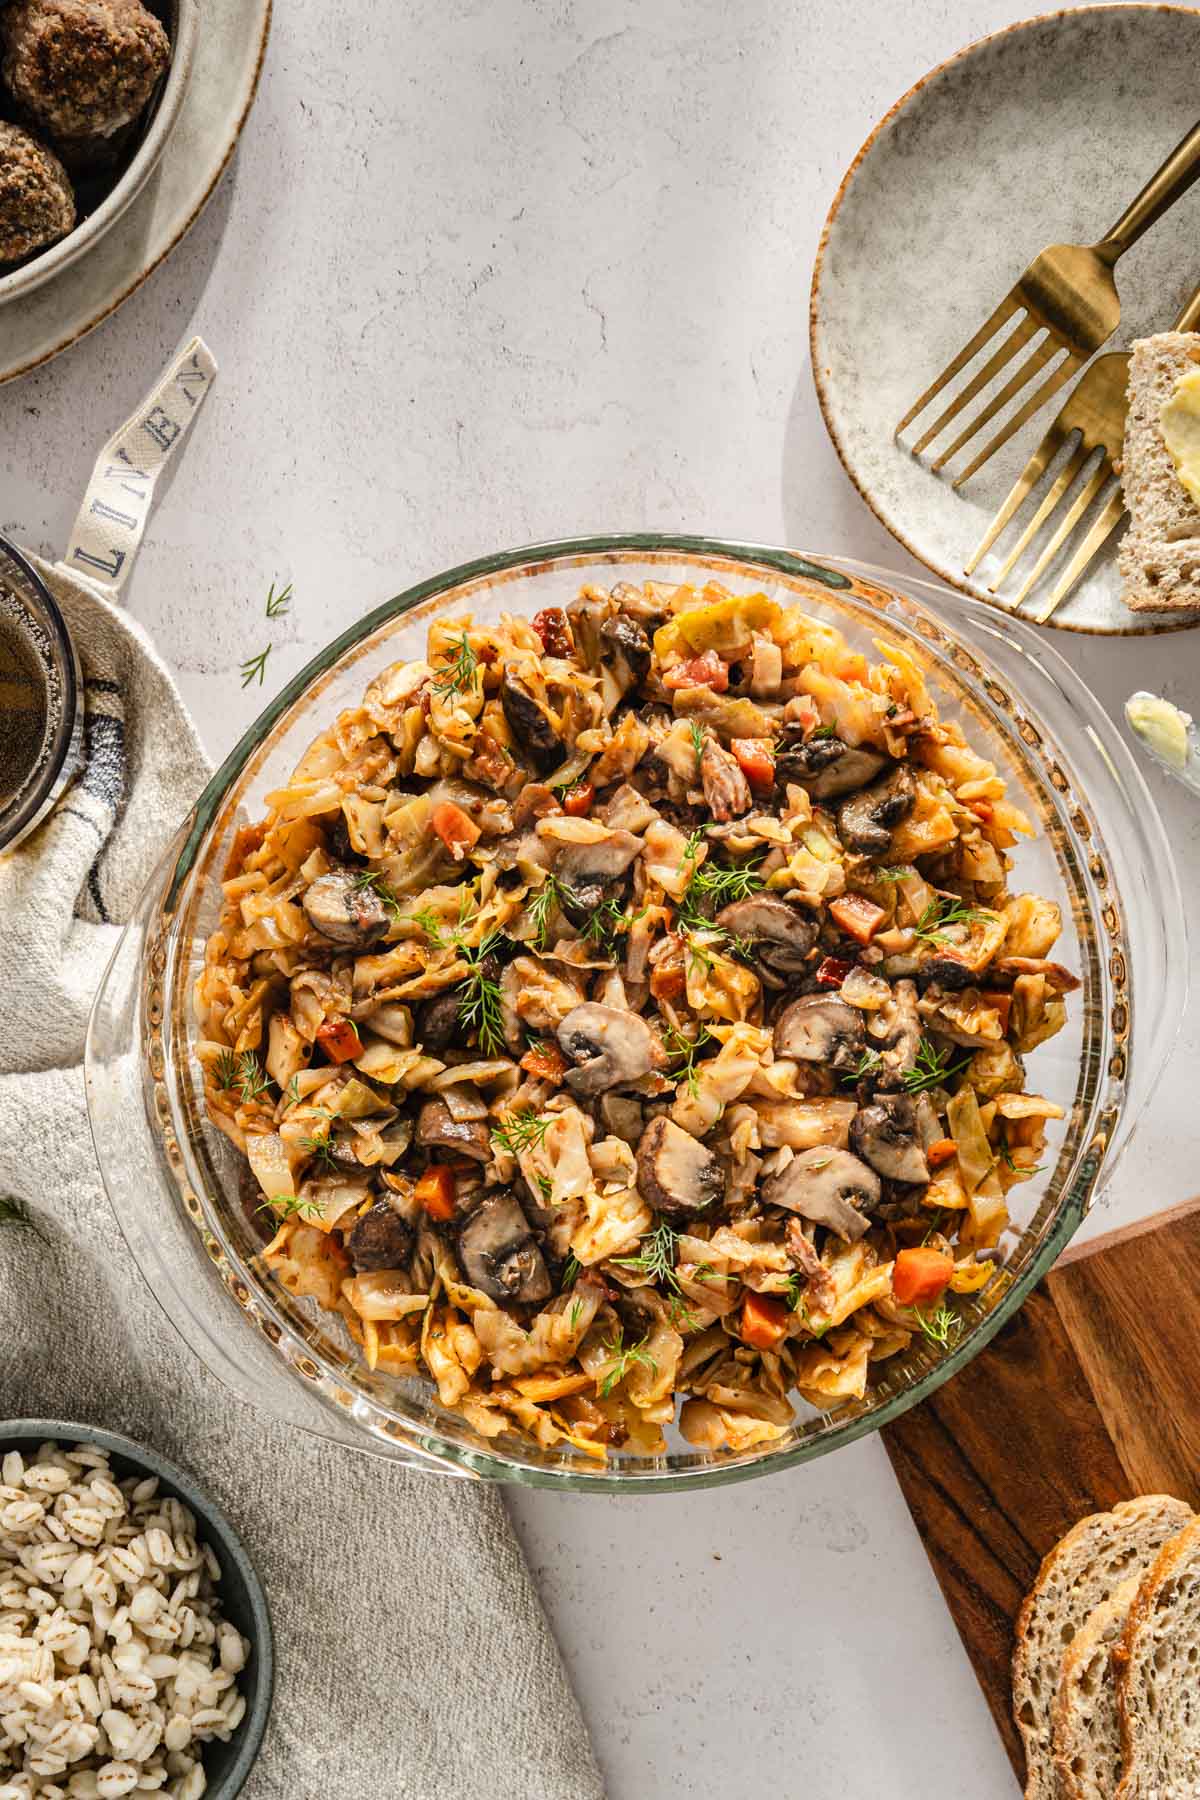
(339, 1040)
(983, 809)
(853, 667)
(756, 762)
(577, 800)
(701, 671)
(1002, 1003)
(943, 1151)
(832, 971)
(857, 916)
(435, 1192)
(764, 1322)
(554, 629)
(545, 1063)
(920, 1277)
(456, 830)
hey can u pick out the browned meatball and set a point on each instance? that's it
(37, 204)
(82, 69)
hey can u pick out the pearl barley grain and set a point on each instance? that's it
(116, 1665)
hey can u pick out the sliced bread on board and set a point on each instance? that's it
(1160, 555)
(1084, 1569)
(1086, 1724)
(1158, 1677)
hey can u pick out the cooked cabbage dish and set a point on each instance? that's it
(624, 1015)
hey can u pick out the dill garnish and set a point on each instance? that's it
(479, 1007)
(930, 927)
(278, 604)
(290, 1206)
(942, 1327)
(520, 1131)
(255, 667)
(932, 1068)
(459, 672)
(677, 1043)
(624, 1358)
(243, 1073)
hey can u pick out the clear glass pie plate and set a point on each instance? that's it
(1101, 852)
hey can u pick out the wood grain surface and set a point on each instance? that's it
(1088, 1396)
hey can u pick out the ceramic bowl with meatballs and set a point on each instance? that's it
(174, 1080)
(90, 91)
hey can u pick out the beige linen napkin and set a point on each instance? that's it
(414, 1658)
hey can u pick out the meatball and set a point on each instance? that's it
(37, 204)
(82, 69)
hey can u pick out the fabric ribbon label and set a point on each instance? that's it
(106, 535)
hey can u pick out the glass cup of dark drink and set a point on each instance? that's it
(41, 700)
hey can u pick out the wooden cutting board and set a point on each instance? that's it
(1088, 1396)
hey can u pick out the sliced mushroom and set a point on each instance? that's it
(826, 766)
(824, 1185)
(437, 1023)
(623, 1117)
(626, 644)
(726, 790)
(343, 908)
(897, 1026)
(676, 1173)
(498, 1252)
(866, 821)
(821, 1029)
(438, 1129)
(612, 1047)
(528, 722)
(581, 865)
(380, 1240)
(781, 935)
(944, 972)
(886, 1135)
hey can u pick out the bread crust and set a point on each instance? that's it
(1100, 1634)
(1167, 1566)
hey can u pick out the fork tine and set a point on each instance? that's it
(1066, 525)
(1063, 373)
(1061, 483)
(1006, 309)
(1033, 364)
(1015, 341)
(1105, 525)
(1028, 479)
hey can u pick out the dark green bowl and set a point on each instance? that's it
(243, 1601)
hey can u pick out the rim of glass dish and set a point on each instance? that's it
(1079, 1179)
(30, 805)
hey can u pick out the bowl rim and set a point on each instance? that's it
(835, 573)
(254, 1725)
(30, 275)
(63, 762)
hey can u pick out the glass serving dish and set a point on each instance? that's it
(1100, 851)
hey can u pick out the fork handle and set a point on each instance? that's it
(1189, 318)
(1162, 190)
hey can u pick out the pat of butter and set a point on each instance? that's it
(1180, 420)
(1161, 727)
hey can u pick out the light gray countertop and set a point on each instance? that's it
(489, 273)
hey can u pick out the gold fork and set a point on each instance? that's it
(1096, 411)
(1069, 293)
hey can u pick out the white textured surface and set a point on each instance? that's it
(486, 272)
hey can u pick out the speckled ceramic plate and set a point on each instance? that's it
(1040, 134)
(231, 43)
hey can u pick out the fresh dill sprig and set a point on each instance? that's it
(479, 1007)
(697, 735)
(710, 887)
(371, 881)
(520, 1131)
(868, 1065)
(255, 667)
(540, 908)
(278, 604)
(243, 1073)
(796, 1302)
(899, 873)
(677, 1043)
(545, 1187)
(942, 1327)
(822, 731)
(624, 1358)
(292, 1096)
(459, 672)
(930, 927)
(932, 1068)
(573, 1317)
(1006, 1157)
(602, 929)
(290, 1206)
(572, 1269)
(320, 1148)
(657, 1259)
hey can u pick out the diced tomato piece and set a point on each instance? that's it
(764, 1322)
(435, 1192)
(701, 671)
(554, 628)
(456, 830)
(943, 1151)
(756, 762)
(577, 800)
(920, 1277)
(1002, 1003)
(833, 971)
(545, 1063)
(857, 916)
(339, 1040)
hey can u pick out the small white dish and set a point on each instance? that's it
(1039, 134)
(229, 48)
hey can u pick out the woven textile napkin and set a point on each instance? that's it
(415, 1661)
